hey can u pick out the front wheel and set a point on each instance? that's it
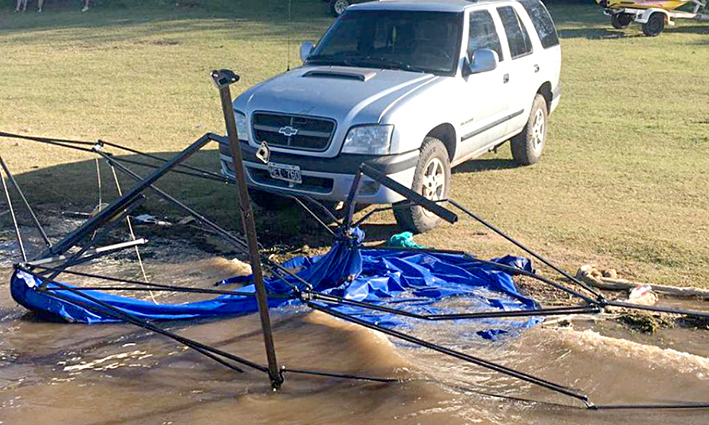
(528, 145)
(337, 7)
(432, 180)
(655, 24)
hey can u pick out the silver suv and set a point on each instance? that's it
(410, 87)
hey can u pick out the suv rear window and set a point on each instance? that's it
(542, 22)
(517, 35)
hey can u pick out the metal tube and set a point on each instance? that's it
(331, 299)
(90, 252)
(157, 158)
(351, 202)
(27, 204)
(457, 354)
(14, 219)
(228, 236)
(657, 309)
(76, 258)
(223, 79)
(402, 190)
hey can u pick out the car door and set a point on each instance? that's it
(523, 68)
(485, 94)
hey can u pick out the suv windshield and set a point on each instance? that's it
(408, 40)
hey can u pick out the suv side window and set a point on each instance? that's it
(517, 35)
(542, 22)
(483, 34)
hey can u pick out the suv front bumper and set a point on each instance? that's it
(326, 178)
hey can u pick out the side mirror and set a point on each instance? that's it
(305, 50)
(484, 60)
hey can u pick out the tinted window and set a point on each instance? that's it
(542, 22)
(408, 40)
(483, 34)
(517, 36)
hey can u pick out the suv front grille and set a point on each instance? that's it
(293, 131)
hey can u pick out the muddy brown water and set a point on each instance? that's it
(53, 373)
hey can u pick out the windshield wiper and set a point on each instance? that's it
(389, 64)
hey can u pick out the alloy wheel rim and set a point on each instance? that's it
(538, 130)
(340, 6)
(434, 182)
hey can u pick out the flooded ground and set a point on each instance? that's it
(113, 374)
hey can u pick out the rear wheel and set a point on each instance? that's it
(432, 180)
(337, 7)
(527, 146)
(621, 20)
(654, 25)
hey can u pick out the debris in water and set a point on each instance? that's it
(644, 322)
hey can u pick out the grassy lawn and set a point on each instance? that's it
(624, 182)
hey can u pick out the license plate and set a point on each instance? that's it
(286, 172)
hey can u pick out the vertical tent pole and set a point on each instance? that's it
(222, 79)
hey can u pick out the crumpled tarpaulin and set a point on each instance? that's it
(417, 281)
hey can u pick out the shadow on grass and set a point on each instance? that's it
(593, 33)
(73, 188)
(485, 165)
(691, 29)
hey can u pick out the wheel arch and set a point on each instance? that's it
(445, 133)
(545, 90)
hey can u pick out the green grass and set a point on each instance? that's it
(624, 182)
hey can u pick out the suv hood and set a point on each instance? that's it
(347, 94)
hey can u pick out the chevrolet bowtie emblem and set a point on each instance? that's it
(288, 131)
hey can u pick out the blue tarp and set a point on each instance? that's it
(417, 281)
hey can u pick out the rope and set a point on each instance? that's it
(132, 235)
(14, 219)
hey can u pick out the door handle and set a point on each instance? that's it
(536, 68)
(505, 78)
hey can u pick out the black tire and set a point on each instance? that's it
(654, 25)
(270, 201)
(338, 6)
(433, 161)
(621, 20)
(527, 146)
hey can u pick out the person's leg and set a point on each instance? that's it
(86, 6)
(24, 5)
(39, 5)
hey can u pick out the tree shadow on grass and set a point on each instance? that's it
(149, 20)
(690, 29)
(72, 190)
(593, 33)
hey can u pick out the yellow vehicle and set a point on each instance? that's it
(651, 14)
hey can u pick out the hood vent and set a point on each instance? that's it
(340, 73)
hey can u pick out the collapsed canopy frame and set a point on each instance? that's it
(90, 233)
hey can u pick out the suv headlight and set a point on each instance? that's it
(242, 126)
(368, 139)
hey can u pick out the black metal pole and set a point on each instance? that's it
(457, 354)
(27, 204)
(14, 219)
(222, 79)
